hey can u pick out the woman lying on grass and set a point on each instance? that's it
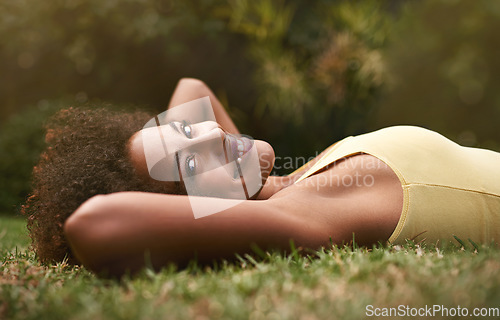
(113, 195)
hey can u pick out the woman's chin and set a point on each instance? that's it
(266, 158)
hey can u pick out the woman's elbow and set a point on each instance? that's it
(76, 225)
(194, 86)
(191, 81)
(82, 231)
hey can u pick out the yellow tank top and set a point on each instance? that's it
(449, 190)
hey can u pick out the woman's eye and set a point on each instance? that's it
(186, 128)
(191, 165)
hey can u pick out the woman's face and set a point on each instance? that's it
(209, 161)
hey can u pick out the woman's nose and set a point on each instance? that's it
(206, 126)
(207, 135)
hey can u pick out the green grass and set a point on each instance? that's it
(13, 233)
(337, 283)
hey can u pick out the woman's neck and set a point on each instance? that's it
(273, 185)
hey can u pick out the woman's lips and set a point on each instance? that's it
(236, 147)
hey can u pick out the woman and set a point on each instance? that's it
(390, 185)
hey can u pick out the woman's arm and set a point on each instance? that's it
(189, 89)
(117, 233)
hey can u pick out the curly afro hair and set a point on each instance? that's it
(86, 155)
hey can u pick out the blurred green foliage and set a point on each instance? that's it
(318, 68)
(445, 70)
(130, 51)
(21, 141)
(286, 58)
(300, 74)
